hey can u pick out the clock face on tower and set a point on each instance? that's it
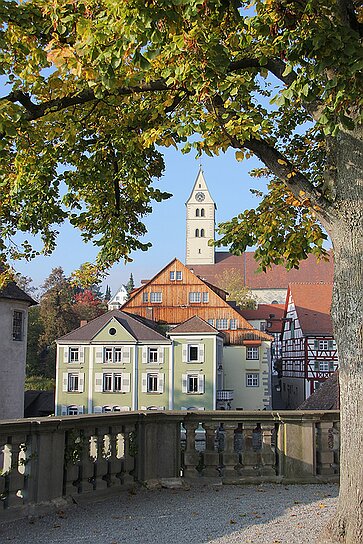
(200, 197)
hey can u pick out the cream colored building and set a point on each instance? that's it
(14, 305)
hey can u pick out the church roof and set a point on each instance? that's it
(275, 278)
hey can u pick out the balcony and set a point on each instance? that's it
(49, 460)
(225, 395)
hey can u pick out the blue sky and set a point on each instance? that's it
(229, 184)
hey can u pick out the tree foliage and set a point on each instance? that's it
(96, 86)
(232, 281)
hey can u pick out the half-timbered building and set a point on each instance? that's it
(308, 349)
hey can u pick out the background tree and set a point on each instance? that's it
(130, 285)
(107, 294)
(232, 281)
(280, 80)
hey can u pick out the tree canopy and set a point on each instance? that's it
(100, 87)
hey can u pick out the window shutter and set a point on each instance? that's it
(201, 353)
(80, 409)
(161, 355)
(185, 383)
(144, 354)
(99, 355)
(331, 366)
(185, 353)
(161, 379)
(81, 354)
(98, 382)
(144, 383)
(125, 382)
(316, 365)
(201, 383)
(97, 409)
(316, 344)
(63, 410)
(65, 354)
(331, 344)
(81, 382)
(126, 354)
(65, 381)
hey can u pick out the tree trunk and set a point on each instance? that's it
(347, 315)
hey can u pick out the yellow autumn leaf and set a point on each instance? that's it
(280, 161)
(240, 156)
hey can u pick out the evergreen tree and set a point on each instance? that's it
(107, 294)
(130, 285)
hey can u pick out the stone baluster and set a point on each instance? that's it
(130, 454)
(267, 456)
(73, 445)
(18, 470)
(104, 445)
(230, 457)
(87, 463)
(191, 456)
(116, 457)
(325, 448)
(210, 456)
(250, 455)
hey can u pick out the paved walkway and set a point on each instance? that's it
(265, 514)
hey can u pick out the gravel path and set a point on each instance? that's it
(264, 514)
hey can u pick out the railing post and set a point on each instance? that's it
(249, 456)
(299, 448)
(210, 455)
(191, 456)
(230, 458)
(158, 447)
(267, 455)
(326, 448)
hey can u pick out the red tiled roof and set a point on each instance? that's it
(263, 311)
(313, 302)
(276, 278)
(324, 398)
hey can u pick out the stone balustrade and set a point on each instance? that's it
(45, 461)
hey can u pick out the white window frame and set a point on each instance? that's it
(73, 356)
(205, 297)
(252, 353)
(156, 297)
(172, 275)
(117, 381)
(323, 345)
(153, 355)
(222, 324)
(233, 324)
(194, 297)
(252, 379)
(145, 297)
(107, 379)
(192, 348)
(72, 410)
(152, 382)
(73, 382)
(199, 383)
(117, 355)
(324, 366)
(179, 275)
(108, 355)
(193, 379)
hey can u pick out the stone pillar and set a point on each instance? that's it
(230, 457)
(299, 449)
(191, 456)
(267, 469)
(210, 455)
(249, 455)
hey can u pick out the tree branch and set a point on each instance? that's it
(279, 165)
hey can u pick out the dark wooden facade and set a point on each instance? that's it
(176, 294)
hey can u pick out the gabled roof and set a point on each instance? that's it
(12, 291)
(324, 398)
(275, 278)
(194, 325)
(312, 302)
(272, 313)
(131, 324)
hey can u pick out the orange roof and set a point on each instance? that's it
(275, 278)
(313, 302)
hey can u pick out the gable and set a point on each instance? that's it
(121, 335)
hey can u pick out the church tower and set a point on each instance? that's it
(200, 223)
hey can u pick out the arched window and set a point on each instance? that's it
(197, 212)
(197, 233)
(202, 233)
(202, 212)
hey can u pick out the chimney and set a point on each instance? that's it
(83, 322)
